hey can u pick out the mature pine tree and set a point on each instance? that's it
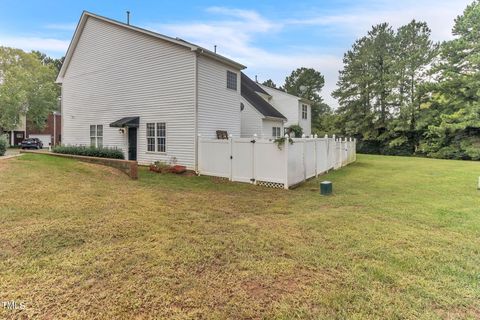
(354, 92)
(366, 85)
(414, 55)
(457, 92)
(382, 62)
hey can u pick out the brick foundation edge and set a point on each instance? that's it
(128, 167)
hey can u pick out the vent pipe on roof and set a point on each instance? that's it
(215, 48)
(256, 79)
(128, 17)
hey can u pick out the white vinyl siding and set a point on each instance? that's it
(218, 106)
(291, 107)
(251, 120)
(305, 122)
(269, 124)
(114, 73)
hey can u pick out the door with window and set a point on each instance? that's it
(132, 144)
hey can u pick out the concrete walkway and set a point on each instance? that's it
(11, 153)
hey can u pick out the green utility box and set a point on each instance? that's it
(326, 188)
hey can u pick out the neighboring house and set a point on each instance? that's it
(145, 93)
(51, 133)
(16, 136)
(297, 110)
(258, 116)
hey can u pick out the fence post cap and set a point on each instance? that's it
(287, 136)
(230, 135)
(326, 136)
(304, 136)
(315, 136)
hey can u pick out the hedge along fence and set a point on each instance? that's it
(127, 166)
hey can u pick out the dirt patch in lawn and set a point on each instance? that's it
(3, 164)
(98, 167)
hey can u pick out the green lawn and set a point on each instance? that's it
(399, 239)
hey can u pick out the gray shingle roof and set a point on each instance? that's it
(249, 91)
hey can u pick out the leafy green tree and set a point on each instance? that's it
(26, 87)
(308, 83)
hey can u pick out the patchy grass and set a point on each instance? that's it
(399, 239)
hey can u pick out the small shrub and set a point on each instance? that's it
(104, 152)
(281, 141)
(3, 145)
(160, 166)
(296, 129)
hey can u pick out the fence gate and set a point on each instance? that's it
(243, 160)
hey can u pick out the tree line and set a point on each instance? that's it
(400, 93)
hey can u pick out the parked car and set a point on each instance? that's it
(31, 143)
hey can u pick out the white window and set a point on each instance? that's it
(151, 137)
(157, 137)
(304, 111)
(231, 80)
(96, 135)
(276, 132)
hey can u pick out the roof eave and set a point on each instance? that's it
(275, 118)
(305, 100)
(219, 58)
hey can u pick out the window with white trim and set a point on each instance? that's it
(231, 80)
(304, 111)
(96, 135)
(276, 132)
(157, 137)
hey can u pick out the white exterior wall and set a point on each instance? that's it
(268, 124)
(251, 120)
(306, 124)
(114, 73)
(218, 106)
(290, 106)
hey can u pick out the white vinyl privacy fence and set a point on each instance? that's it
(264, 162)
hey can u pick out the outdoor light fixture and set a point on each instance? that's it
(121, 130)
